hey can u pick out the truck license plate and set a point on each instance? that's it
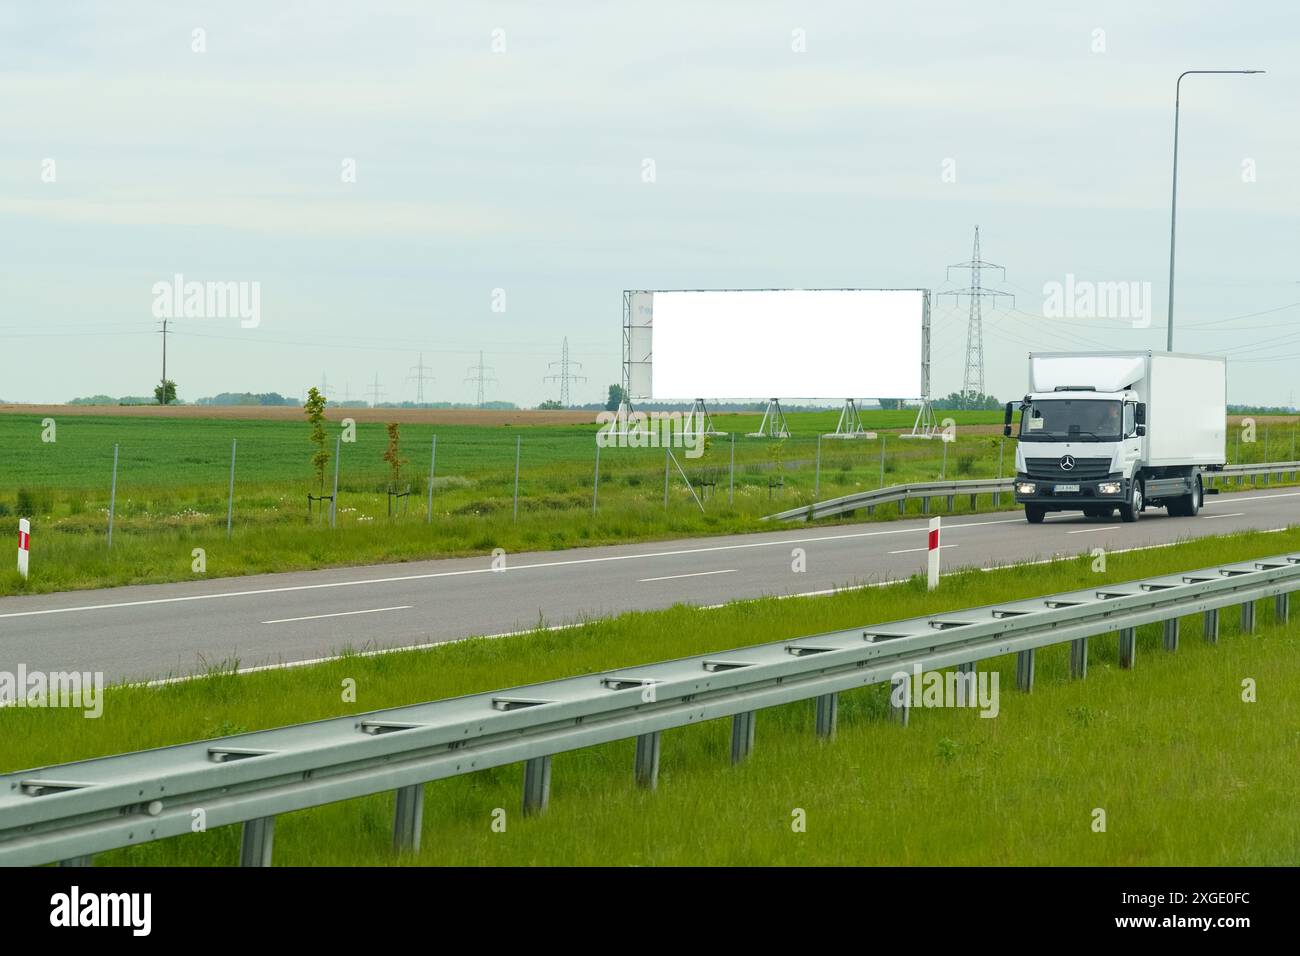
(1061, 488)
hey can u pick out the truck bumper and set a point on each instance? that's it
(1060, 495)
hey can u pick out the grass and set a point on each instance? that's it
(1187, 773)
(173, 479)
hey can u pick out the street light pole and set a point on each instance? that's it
(1173, 202)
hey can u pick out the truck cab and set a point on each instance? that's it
(1078, 450)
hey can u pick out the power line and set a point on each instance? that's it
(564, 376)
(480, 375)
(973, 377)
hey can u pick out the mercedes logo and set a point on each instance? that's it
(1067, 463)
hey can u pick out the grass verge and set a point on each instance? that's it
(1186, 771)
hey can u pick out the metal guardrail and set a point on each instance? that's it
(927, 490)
(67, 813)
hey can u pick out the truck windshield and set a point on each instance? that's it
(1062, 419)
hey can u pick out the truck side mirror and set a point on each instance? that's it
(1141, 431)
(1006, 421)
(1140, 413)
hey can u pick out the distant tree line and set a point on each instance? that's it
(956, 400)
(247, 398)
(1260, 410)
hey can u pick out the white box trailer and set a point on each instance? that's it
(1102, 431)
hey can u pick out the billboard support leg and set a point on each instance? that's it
(773, 424)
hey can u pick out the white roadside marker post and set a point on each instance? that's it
(24, 545)
(933, 553)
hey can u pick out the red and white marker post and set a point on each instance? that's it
(24, 545)
(933, 553)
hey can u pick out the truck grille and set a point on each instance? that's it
(1086, 469)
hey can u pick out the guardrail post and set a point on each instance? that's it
(900, 700)
(646, 765)
(967, 692)
(255, 844)
(408, 818)
(537, 785)
(972, 502)
(828, 709)
(1127, 647)
(78, 860)
(742, 736)
(952, 503)
(1025, 670)
(1212, 626)
(1079, 658)
(902, 506)
(1171, 634)
(1248, 617)
(1281, 608)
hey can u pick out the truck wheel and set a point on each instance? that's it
(1034, 513)
(1189, 504)
(1133, 509)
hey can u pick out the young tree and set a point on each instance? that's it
(393, 454)
(167, 398)
(617, 396)
(314, 408)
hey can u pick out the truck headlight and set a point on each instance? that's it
(1025, 487)
(1110, 487)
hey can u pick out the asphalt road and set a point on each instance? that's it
(171, 630)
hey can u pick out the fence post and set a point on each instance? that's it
(334, 498)
(230, 500)
(997, 495)
(518, 444)
(112, 499)
(665, 479)
(433, 463)
(731, 479)
(817, 474)
(595, 485)
(943, 468)
(883, 439)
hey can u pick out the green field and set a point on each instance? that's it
(1187, 772)
(173, 479)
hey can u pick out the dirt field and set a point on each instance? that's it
(423, 416)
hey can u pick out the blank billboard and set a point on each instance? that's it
(785, 343)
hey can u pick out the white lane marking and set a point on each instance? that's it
(1235, 514)
(521, 567)
(285, 665)
(697, 574)
(543, 564)
(914, 550)
(1091, 530)
(317, 617)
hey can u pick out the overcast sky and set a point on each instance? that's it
(830, 144)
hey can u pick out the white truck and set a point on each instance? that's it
(1107, 431)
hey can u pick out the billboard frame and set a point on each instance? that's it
(925, 424)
